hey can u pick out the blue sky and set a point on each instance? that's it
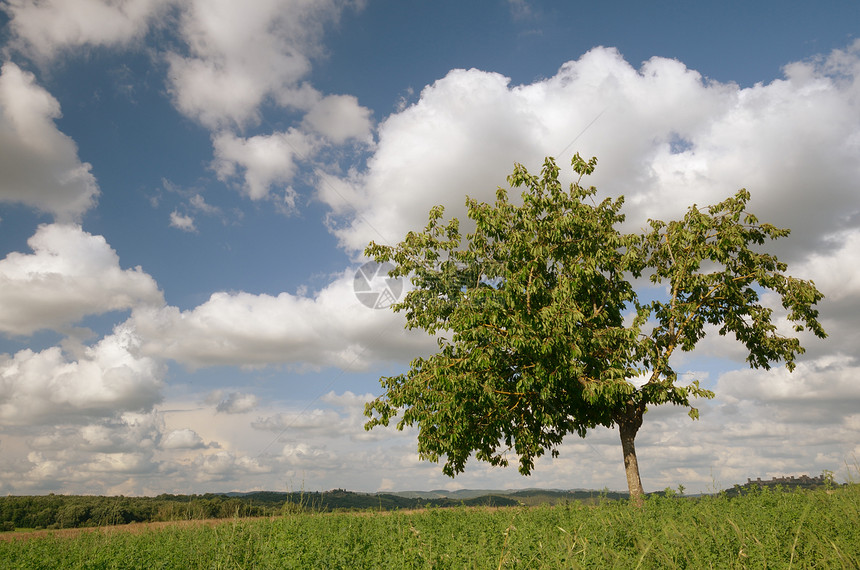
(186, 188)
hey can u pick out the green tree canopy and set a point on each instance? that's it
(540, 330)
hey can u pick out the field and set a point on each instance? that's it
(761, 529)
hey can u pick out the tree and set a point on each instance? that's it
(541, 332)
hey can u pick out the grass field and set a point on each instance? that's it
(762, 529)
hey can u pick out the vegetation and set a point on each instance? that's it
(762, 528)
(77, 511)
(69, 511)
(542, 334)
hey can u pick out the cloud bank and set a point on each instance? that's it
(48, 388)
(331, 328)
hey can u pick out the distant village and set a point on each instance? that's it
(792, 481)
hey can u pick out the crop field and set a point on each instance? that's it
(768, 528)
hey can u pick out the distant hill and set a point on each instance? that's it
(520, 496)
(443, 494)
(341, 499)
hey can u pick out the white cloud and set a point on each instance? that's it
(124, 432)
(194, 206)
(339, 118)
(199, 203)
(241, 57)
(108, 455)
(330, 329)
(467, 130)
(46, 27)
(226, 466)
(304, 422)
(834, 267)
(125, 463)
(302, 455)
(824, 390)
(69, 275)
(242, 54)
(182, 439)
(40, 164)
(262, 161)
(47, 388)
(237, 403)
(121, 432)
(237, 58)
(182, 222)
(665, 138)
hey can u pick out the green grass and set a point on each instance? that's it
(763, 529)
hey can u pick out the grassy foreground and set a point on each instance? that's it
(763, 529)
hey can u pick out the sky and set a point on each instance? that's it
(187, 188)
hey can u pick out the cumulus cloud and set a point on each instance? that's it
(69, 275)
(834, 265)
(182, 222)
(122, 432)
(48, 388)
(824, 390)
(240, 58)
(308, 423)
(40, 164)
(107, 455)
(240, 55)
(125, 432)
(330, 329)
(193, 207)
(237, 403)
(761, 424)
(665, 136)
(339, 118)
(262, 161)
(199, 204)
(302, 455)
(341, 420)
(44, 28)
(236, 59)
(226, 466)
(182, 439)
(121, 463)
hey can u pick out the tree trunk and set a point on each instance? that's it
(629, 423)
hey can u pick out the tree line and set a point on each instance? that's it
(76, 511)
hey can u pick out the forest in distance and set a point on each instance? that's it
(81, 511)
